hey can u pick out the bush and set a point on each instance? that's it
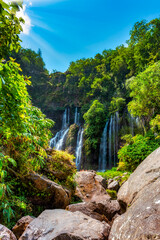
(95, 119)
(111, 173)
(131, 155)
(60, 167)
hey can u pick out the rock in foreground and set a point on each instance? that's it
(6, 234)
(145, 174)
(64, 225)
(21, 225)
(141, 193)
(53, 195)
(102, 210)
(90, 186)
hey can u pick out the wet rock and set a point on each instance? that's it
(64, 225)
(6, 234)
(21, 225)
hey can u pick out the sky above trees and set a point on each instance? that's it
(67, 30)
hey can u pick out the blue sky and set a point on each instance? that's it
(67, 30)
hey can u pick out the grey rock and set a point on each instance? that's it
(114, 185)
(54, 195)
(142, 219)
(141, 195)
(6, 234)
(21, 225)
(102, 210)
(88, 187)
(146, 173)
(59, 224)
(101, 180)
(110, 180)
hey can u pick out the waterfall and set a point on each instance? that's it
(103, 150)
(58, 141)
(131, 124)
(76, 116)
(117, 131)
(59, 144)
(79, 148)
(110, 143)
(114, 138)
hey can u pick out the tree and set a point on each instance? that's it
(10, 27)
(145, 93)
(94, 122)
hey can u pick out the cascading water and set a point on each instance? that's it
(79, 148)
(76, 116)
(103, 150)
(110, 144)
(58, 141)
(117, 130)
(131, 124)
(113, 140)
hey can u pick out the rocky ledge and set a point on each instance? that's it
(99, 217)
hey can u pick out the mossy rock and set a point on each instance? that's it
(71, 140)
(60, 167)
(112, 193)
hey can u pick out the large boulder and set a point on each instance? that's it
(6, 234)
(141, 194)
(97, 202)
(90, 186)
(59, 224)
(21, 225)
(47, 192)
(145, 174)
(100, 210)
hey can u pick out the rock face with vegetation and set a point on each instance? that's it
(61, 224)
(141, 195)
(72, 139)
(52, 194)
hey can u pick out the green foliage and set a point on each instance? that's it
(145, 42)
(72, 136)
(155, 126)
(134, 152)
(117, 104)
(33, 65)
(9, 28)
(94, 122)
(112, 193)
(61, 168)
(24, 135)
(111, 173)
(145, 93)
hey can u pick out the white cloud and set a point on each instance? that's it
(22, 13)
(27, 25)
(42, 2)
